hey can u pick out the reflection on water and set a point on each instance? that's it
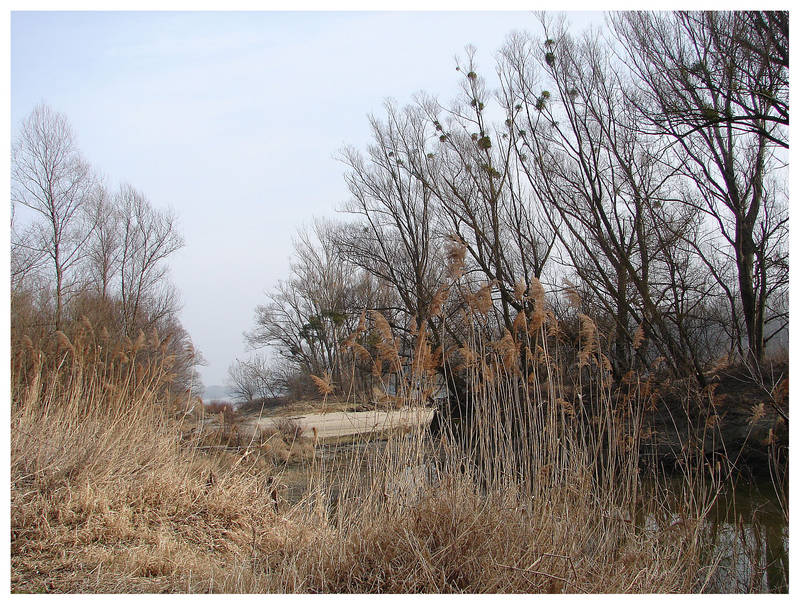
(748, 528)
(751, 533)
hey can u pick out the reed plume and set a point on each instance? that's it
(455, 254)
(324, 384)
(638, 337)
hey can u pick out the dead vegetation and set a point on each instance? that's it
(114, 489)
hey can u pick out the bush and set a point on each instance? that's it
(289, 429)
(224, 408)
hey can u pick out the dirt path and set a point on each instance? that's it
(338, 424)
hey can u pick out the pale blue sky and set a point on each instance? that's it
(233, 120)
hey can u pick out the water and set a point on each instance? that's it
(751, 537)
(747, 535)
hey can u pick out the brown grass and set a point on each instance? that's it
(113, 489)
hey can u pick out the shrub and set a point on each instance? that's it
(225, 408)
(290, 430)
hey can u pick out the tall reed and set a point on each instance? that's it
(540, 492)
(542, 452)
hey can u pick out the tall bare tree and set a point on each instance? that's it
(482, 197)
(104, 246)
(147, 237)
(724, 106)
(392, 236)
(50, 177)
(605, 190)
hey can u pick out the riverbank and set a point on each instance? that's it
(340, 424)
(738, 419)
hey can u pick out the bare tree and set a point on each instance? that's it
(721, 104)
(27, 255)
(49, 176)
(746, 52)
(104, 246)
(309, 315)
(604, 190)
(79, 255)
(393, 233)
(767, 71)
(255, 378)
(483, 199)
(148, 236)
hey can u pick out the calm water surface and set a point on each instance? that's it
(748, 529)
(752, 537)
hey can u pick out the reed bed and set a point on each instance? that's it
(112, 491)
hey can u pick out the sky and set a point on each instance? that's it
(234, 121)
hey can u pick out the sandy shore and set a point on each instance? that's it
(337, 424)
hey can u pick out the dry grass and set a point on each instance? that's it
(457, 540)
(111, 493)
